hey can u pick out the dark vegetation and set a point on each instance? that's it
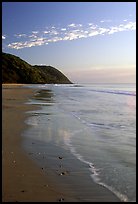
(16, 70)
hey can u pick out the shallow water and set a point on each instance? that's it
(96, 123)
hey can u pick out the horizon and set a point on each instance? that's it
(94, 43)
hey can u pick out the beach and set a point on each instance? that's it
(22, 180)
(25, 181)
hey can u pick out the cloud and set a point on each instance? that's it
(130, 26)
(35, 32)
(55, 39)
(46, 32)
(63, 29)
(31, 43)
(113, 30)
(73, 32)
(53, 32)
(71, 36)
(106, 21)
(102, 31)
(20, 35)
(33, 36)
(3, 37)
(72, 25)
(93, 33)
(122, 27)
(80, 25)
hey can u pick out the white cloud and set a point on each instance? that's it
(71, 36)
(54, 32)
(122, 27)
(76, 31)
(113, 30)
(86, 31)
(93, 27)
(63, 29)
(103, 30)
(20, 45)
(106, 21)
(35, 32)
(130, 26)
(93, 33)
(20, 35)
(55, 39)
(72, 25)
(46, 32)
(33, 36)
(73, 32)
(3, 37)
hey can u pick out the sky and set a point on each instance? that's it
(90, 42)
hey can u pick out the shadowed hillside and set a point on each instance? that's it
(16, 70)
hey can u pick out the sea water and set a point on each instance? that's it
(97, 124)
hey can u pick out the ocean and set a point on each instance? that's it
(95, 123)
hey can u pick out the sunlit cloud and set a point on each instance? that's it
(72, 32)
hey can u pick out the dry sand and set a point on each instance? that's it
(22, 180)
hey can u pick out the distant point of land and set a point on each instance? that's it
(16, 70)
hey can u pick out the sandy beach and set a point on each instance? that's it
(22, 179)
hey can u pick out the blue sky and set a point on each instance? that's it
(87, 41)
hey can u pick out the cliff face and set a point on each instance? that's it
(16, 70)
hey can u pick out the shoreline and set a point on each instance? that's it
(23, 180)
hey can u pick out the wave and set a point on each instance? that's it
(98, 125)
(90, 88)
(115, 92)
(95, 175)
(122, 92)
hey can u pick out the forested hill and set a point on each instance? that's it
(16, 70)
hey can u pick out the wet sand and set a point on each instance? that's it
(22, 179)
